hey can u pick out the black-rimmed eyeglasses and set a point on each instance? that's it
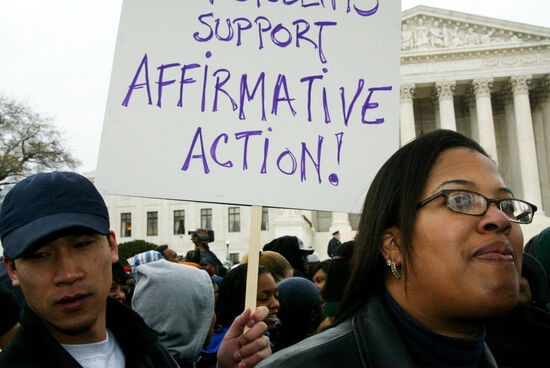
(473, 203)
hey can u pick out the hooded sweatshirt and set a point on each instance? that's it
(177, 301)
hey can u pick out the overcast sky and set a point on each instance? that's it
(56, 56)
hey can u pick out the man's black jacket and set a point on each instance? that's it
(34, 346)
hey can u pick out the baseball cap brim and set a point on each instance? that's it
(23, 238)
(307, 250)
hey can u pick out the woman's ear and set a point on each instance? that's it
(390, 245)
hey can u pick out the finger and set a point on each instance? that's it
(237, 327)
(260, 314)
(255, 351)
(253, 333)
(255, 359)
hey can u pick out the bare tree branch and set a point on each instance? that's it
(29, 143)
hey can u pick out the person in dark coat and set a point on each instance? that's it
(438, 255)
(5, 279)
(333, 243)
(10, 316)
(521, 338)
(59, 249)
(539, 247)
(201, 238)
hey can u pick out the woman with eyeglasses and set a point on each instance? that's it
(438, 254)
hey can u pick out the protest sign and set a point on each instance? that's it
(280, 103)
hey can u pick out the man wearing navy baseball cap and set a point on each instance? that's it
(58, 247)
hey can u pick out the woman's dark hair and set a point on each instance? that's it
(323, 265)
(345, 250)
(119, 274)
(338, 272)
(338, 275)
(232, 294)
(392, 201)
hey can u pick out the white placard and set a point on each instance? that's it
(290, 103)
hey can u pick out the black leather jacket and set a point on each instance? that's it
(368, 339)
(33, 345)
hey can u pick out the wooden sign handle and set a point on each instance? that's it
(253, 258)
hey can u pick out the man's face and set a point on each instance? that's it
(171, 255)
(66, 283)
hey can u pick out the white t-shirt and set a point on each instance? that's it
(103, 354)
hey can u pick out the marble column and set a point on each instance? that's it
(510, 159)
(486, 127)
(528, 165)
(435, 104)
(545, 107)
(407, 126)
(445, 96)
(540, 144)
(543, 143)
(471, 100)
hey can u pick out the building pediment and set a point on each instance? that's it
(428, 30)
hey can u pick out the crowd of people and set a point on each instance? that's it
(438, 275)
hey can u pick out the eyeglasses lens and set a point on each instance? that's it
(472, 203)
(466, 202)
(518, 211)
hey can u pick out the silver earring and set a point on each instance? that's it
(393, 268)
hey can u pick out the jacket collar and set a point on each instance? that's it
(34, 341)
(373, 321)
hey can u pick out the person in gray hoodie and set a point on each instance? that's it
(178, 302)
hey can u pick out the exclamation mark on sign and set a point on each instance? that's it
(333, 178)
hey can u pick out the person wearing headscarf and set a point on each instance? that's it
(300, 311)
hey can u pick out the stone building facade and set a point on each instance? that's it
(486, 78)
